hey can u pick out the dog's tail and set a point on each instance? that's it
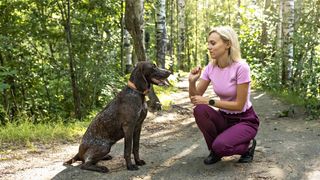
(71, 161)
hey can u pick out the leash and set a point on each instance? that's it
(132, 86)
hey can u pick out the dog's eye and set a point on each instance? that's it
(154, 66)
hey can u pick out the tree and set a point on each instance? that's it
(161, 34)
(73, 78)
(134, 24)
(287, 34)
(181, 34)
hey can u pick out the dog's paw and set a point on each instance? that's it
(107, 157)
(68, 162)
(104, 169)
(132, 167)
(140, 162)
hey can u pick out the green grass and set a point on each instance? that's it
(287, 97)
(23, 134)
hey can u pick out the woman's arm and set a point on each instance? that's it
(198, 89)
(242, 93)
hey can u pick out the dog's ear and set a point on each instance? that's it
(138, 77)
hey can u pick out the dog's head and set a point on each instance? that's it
(146, 73)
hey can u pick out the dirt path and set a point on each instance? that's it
(173, 147)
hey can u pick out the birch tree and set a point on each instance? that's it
(127, 51)
(181, 33)
(161, 32)
(287, 33)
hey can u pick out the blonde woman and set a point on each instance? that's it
(229, 130)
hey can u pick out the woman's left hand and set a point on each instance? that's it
(199, 100)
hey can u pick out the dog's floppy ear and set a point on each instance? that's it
(138, 77)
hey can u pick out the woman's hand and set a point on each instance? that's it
(194, 74)
(199, 100)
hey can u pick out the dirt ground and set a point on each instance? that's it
(173, 148)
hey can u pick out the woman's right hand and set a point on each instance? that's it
(194, 74)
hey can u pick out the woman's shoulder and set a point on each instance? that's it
(210, 66)
(241, 64)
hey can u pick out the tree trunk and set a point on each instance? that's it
(128, 51)
(122, 43)
(171, 49)
(181, 33)
(264, 33)
(135, 25)
(288, 29)
(75, 91)
(161, 34)
(278, 49)
(196, 38)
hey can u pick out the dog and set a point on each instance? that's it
(121, 118)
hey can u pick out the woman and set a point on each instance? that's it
(229, 130)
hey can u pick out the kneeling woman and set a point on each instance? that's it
(229, 130)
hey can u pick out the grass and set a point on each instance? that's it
(287, 97)
(23, 134)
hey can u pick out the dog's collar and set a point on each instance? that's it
(132, 86)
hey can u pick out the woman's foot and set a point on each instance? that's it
(212, 158)
(248, 156)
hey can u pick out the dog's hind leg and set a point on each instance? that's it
(71, 161)
(93, 156)
(91, 166)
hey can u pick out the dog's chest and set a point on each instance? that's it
(142, 109)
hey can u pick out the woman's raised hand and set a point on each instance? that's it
(194, 74)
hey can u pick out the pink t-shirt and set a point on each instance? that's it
(225, 80)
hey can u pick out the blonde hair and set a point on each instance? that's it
(228, 35)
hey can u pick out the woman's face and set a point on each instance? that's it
(216, 46)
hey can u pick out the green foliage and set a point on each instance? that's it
(34, 74)
(35, 80)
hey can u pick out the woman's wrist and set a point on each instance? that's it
(211, 102)
(192, 81)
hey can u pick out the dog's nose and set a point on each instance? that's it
(167, 71)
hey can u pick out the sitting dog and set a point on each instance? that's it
(122, 117)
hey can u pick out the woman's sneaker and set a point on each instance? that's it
(212, 158)
(248, 156)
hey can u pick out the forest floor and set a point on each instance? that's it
(174, 148)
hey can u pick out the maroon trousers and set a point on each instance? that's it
(226, 134)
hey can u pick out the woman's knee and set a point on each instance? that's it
(221, 148)
(200, 109)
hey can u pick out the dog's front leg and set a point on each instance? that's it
(128, 134)
(136, 139)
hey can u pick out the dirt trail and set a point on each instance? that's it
(173, 147)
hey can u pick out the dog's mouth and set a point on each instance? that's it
(160, 82)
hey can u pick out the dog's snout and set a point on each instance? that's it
(165, 71)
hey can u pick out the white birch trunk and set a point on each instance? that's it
(181, 33)
(127, 50)
(287, 33)
(161, 33)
